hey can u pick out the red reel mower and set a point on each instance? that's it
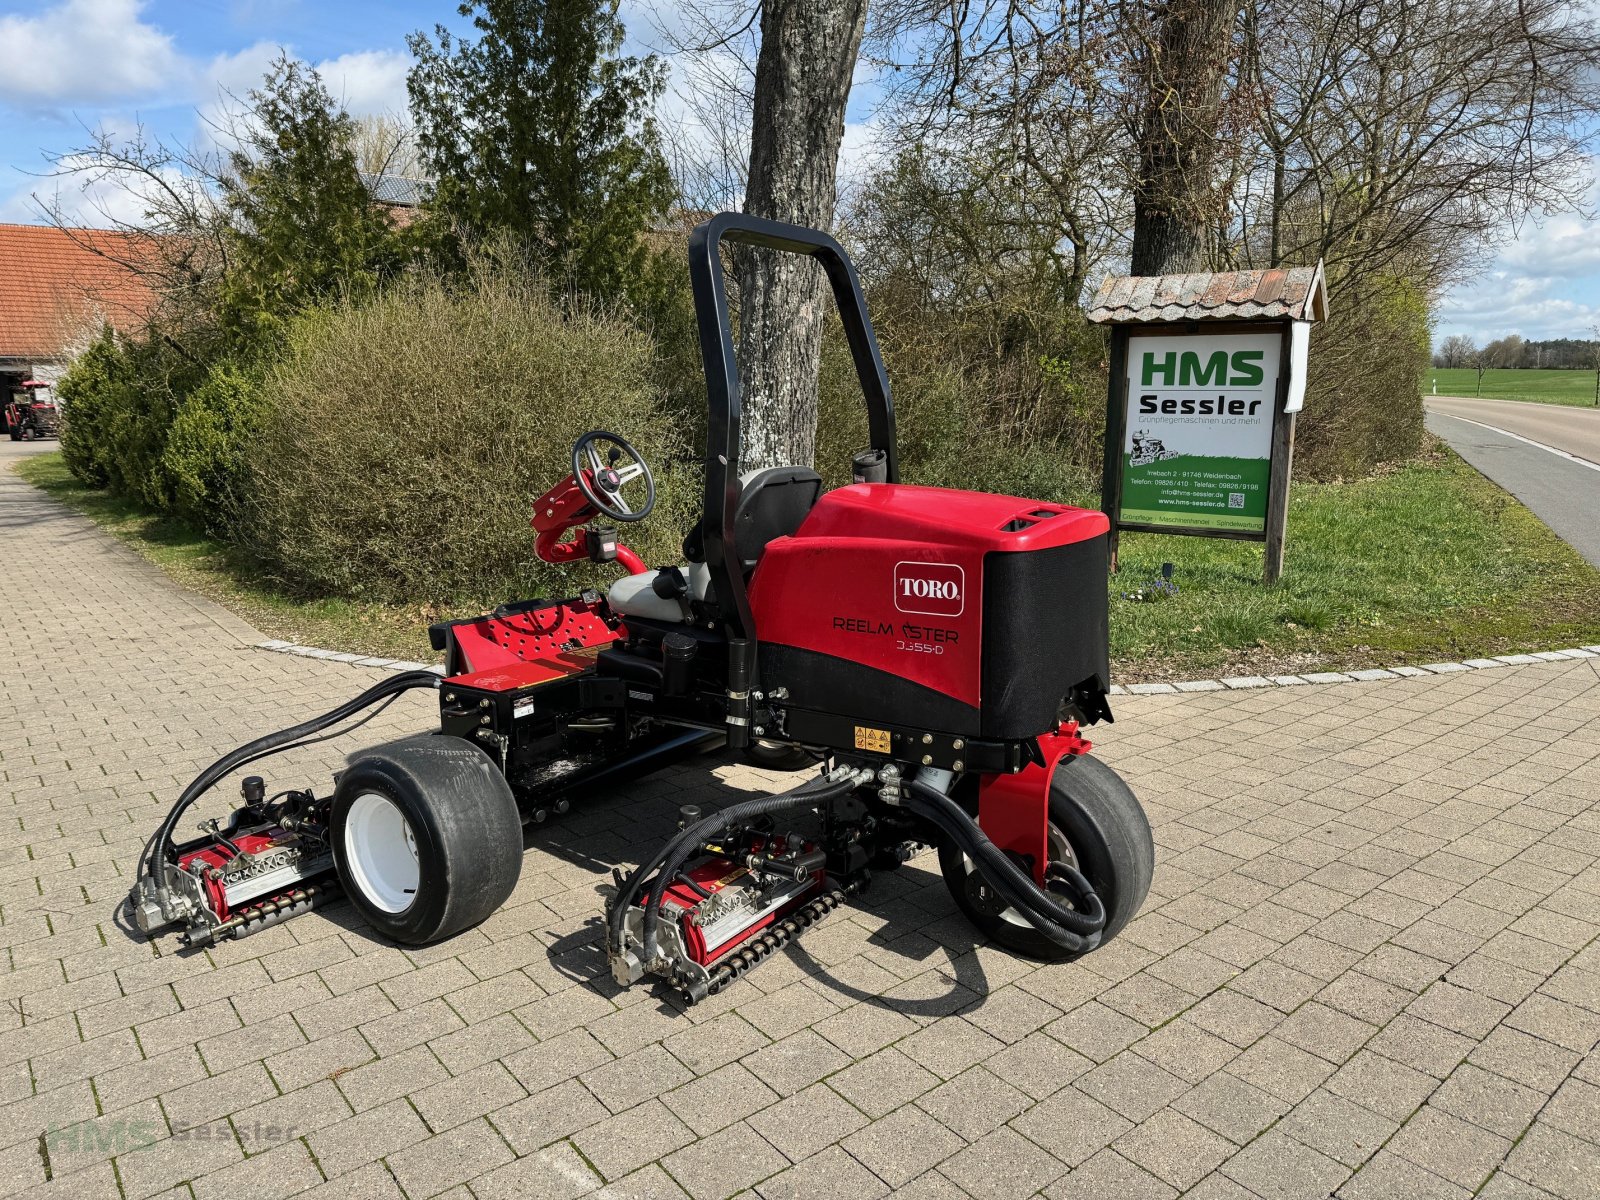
(932, 654)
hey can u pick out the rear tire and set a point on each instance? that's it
(426, 838)
(1097, 818)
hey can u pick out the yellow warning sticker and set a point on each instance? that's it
(876, 740)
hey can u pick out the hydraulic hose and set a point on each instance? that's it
(1074, 931)
(670, 859)
(273, 743)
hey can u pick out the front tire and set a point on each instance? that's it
(1096, 825)
(426, 838)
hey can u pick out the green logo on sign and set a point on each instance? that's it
(1241, 369)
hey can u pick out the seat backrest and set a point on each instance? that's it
(772, 503)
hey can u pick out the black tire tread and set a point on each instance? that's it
(467, 827)
(1111, 835)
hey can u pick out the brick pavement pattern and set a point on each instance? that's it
(1368, 967)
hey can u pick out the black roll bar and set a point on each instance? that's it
(722, 381)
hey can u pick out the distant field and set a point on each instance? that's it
(1544, 387)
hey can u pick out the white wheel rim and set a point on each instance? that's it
(1060, 851)
(381, 852)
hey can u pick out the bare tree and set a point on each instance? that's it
(1401, 138)
(155, 207)
(1507, 352)
(386, 144)
(705, 120)
(1596, 361)
(1456, 351)
(802, 84)
(1019, 108)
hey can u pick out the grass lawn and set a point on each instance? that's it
(1544, 387)
(1425, 563)
(1420, 564)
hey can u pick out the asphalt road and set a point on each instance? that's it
(1496, 436)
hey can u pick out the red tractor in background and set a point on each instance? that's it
(30, 412)
(930, 654)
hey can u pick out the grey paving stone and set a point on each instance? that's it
(1230, 1106)
(902, 1145)
(717, 1166)
(1072, 1126)
(1557, 1162)
(429, 1167)
(1488, 1100)
(1450, 1147)
(1340, 1128)
(1132, 1085)
(1276, 1167)
(1109, 1174)
(1002, 1165)
(973, 1103)
(1390, 1177)
(808, 1121)
(829, 1175)
(1174, 1149)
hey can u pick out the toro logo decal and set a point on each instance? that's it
(933, 589)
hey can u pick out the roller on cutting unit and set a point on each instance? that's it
(926, 659)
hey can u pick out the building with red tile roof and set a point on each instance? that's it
(57, 288)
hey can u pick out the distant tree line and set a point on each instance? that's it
(1514, 352)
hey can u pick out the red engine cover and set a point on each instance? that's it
(891, 576)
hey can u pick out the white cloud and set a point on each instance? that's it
(90, 198)
(87, 52)
(1544, 283)
(371, 81)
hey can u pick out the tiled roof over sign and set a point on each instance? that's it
(55, 286)
(1298, 293)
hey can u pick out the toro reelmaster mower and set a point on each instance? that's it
(929, 653)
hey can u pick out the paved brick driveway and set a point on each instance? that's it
(1368, 969)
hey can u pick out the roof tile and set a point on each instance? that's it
(54, 285)
(1296, 292)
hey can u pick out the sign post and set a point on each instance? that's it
(1202, 401)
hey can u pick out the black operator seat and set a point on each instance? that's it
(772, 504)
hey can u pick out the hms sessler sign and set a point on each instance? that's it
(1197, 434)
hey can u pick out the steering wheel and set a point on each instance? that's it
(611, 471)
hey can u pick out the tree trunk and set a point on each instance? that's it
(1184, 73)
(808, 55)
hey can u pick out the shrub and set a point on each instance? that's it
(204, 454)
(987, 420)
(119, 397)
(85, 392)
(1363, 402)
(406, 438)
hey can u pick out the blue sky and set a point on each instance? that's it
(72, 63)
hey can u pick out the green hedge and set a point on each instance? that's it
(207, 448)
(406, 439)
(390, 450)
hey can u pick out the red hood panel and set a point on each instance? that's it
(979, 521)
